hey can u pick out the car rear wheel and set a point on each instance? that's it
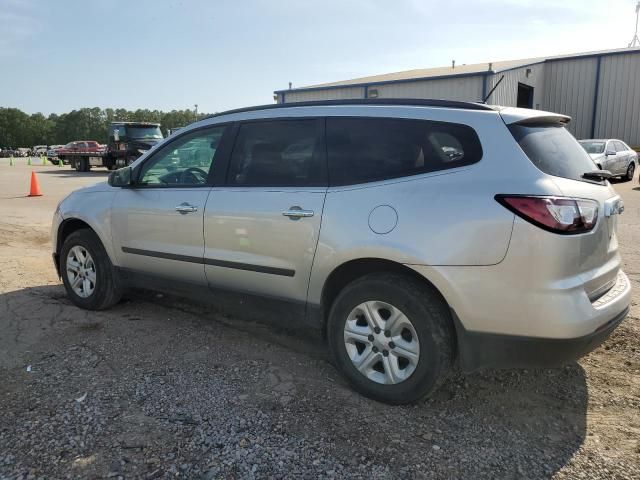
(87, 273)
(392, 337)
(630, 171)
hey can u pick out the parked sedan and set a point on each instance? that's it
(612, 155)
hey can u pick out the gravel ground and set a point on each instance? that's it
(159, 387)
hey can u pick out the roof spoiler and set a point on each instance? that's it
(525, 116)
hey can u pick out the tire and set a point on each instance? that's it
(81, 164)
(106, 291)
(430, 320)
(630, 172)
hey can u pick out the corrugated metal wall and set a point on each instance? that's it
(507, 92)
(569, 89)
(618, 107)
(468, 89)
(345, 93)
(565, 86)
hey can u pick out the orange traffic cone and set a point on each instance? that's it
(35, 186)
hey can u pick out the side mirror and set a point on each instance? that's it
(120, 178)
(608, 153)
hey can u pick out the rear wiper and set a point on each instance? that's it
(597, 175)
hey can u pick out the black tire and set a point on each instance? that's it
(430, 317)
(107, 291)
(630, 172)
(81, 164)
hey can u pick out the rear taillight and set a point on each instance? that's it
(564, 215)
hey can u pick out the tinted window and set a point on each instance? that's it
(369, 149)
(278, 154)
(183, 162)
(553, 150)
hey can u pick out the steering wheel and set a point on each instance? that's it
(195, 174)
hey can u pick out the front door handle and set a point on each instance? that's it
(185, 208)
(295, 212)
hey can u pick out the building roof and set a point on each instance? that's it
(459, 70)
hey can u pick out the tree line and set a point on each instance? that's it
(18, 129)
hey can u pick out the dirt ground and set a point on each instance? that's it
(158, 387)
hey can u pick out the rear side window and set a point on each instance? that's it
(278, 153)
(553, 150)
(364, 150)
(620, 146)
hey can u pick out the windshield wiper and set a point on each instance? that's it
(597, 175)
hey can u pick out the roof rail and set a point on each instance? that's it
(417, 102)
(116, 122)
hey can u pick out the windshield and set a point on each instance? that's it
(593, 147)
(144, 133)
(553, 150)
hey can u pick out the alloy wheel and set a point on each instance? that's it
(81, 271)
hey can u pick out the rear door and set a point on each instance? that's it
(158, 223)
(261, 229)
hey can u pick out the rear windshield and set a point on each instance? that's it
(553, 150)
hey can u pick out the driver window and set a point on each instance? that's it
(185, 161)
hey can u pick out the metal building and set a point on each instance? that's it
(599, 90)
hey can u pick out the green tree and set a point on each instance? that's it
(17, 129)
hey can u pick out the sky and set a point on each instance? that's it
(60, 55)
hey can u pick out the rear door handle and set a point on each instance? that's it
(296, 212)
(185, 208)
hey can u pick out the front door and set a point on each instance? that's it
(609, 162)
(158, 223)
(261, 230)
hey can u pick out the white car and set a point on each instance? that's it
(612, 155)
(39, 150)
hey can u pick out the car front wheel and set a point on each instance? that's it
(87, 273)
(630, 171)
(392, 337)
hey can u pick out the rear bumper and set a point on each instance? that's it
(479, 349)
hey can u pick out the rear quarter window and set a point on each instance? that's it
(364, 150)
(553, 150)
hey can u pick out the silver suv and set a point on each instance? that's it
(414, 234)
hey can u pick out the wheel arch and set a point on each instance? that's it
(71, 225)
(351, 270)
(67, 227)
